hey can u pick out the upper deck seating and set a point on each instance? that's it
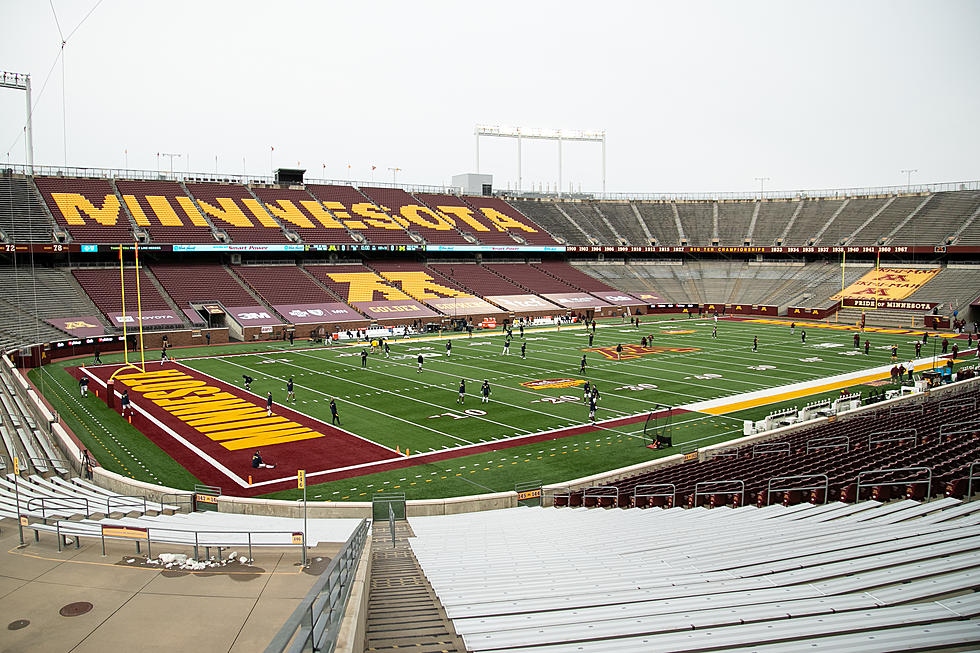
(697, 220)
(283, 284)
(356, 283)
(362, 216)
(812, 216)
(623, 219)
(23, 218)
(659, 218)
(573, 276)
(505, 217)
(773, 217)
(478, 279)
(87, 208)
(535, 280)
(433, 225)
(939, 219)
(201, 283)
(417, 280)
(887, 220)
(734, 219)
(165, 211)
(468, 219)
(102, 286)
(232, 209)
(298, 211)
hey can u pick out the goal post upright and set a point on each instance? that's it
(139, 315)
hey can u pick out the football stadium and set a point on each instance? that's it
(286, 409)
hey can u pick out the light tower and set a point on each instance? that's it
(559, 135)
(22, 82)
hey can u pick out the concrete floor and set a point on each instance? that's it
(137, 608)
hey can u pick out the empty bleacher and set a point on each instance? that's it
(887, 220)
(773, 217)
(233, 209)
(734, 219)
(355, 283)
(102, 287)
(535, 280)
(852, 215)
(812, 217)
(23, 217)
(163, 209)
(955, 286)
(697, 220)
(863, 442)
(659, 218)
(390, 269)
(298, 211)
(506, 218)
(428, 223)
(585, 215)
(939, 219)
(283, 284)
(624, 221)
(360, 215)
(87, 208)
(478, 279)
(749, 579)
(34, 293)
(468, 219)
(549, 215)
(572, 275)
(201, 283)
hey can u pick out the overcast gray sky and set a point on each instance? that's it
(692, 95)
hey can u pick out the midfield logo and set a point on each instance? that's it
(635, 351)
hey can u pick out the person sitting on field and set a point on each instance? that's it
(258, 463)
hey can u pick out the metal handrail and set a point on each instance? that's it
(829, 442)
(601, 492)
(961, 427)
(42, 501)
(958, 402)
(672, 494)
(77, 532)
(914, 432)
(907, 409)
(698, 492)
(928, 481)
(969, 485)
(826, 485)
(315, 623)
(771, 447)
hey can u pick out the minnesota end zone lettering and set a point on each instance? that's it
(635, 351)
(231, 421)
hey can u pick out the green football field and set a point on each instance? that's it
(391, 403)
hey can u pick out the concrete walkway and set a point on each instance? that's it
(234, 608)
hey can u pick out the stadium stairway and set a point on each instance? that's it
(403, 610)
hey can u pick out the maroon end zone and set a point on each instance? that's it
(319, 446)
(331, 454)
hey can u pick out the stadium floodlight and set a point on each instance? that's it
(908, 178)
(537, 133)
(762, 186)
(22, 82)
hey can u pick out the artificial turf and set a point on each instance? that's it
(389, 402)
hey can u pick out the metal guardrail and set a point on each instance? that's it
(771, 447)
(599, 492)
(956, 428)
(927, 481)
(644, 490)
(315, 623)
(969, 484)
(829, 442)
(895, 435)
(698, 492)
(64, 528)
(825, 486)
